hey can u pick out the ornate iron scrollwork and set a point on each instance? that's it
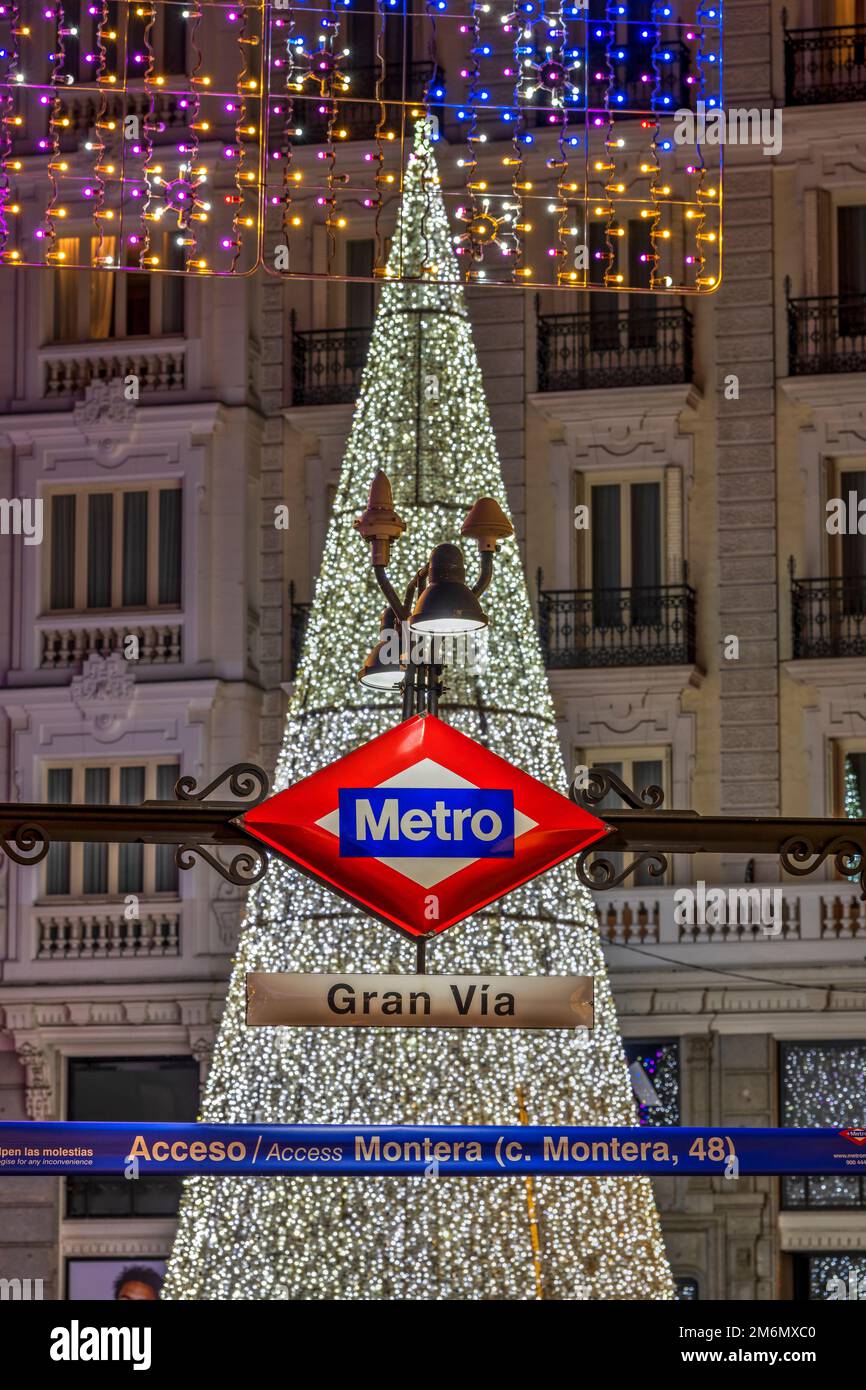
(602, 781)
(593, 869)
(29, 844)
(600, 873)
(247, 867)
(246, 780)
(799, 856)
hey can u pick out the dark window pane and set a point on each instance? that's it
(173, 288)
(130, 870)
(646, 554)
(97, 781)
(646, 773)
(100, 516)
(833, 1278)
(174, 39)
(851, 229)
(157, 1089)
(359, 296)
(169, 545)
(654, 1068)
(134, 549)
(137, 304)
(853, 548)
(57, 863)
(823, 1085)
(606, 560)
(166, 868)
(642, 308)
(603, 308)
(63, 552)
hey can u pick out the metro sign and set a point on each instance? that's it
(422, 826)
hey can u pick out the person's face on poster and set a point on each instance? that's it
(132, 1291)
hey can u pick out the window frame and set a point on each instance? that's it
(624, 480)
(830, 1045)
(153, 487)
(78, 768)
(627, 755)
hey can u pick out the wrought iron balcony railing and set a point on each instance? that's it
(827, 333)
(644, 346)
(825, 65)
(828, 617)
(327, 364)
(617, 627)
(299, 614)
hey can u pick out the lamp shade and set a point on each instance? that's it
(447, 605)
(382, 669)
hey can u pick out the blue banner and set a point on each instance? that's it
(68, 1147)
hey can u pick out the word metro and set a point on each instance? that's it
(440, 823)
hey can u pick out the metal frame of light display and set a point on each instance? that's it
(203, 137)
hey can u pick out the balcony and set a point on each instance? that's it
(327, 365)
(75, 932)
(827, 333)
(159, 364)
(640, 347)
(825, 65)
(66, 642)
(818, 913)
(617, 627)
(828, 617)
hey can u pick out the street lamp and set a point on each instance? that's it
(444, 604)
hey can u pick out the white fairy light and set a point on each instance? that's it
(325, 1238)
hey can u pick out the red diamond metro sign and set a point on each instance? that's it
(422, 826)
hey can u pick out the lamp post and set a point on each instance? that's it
(438, 603)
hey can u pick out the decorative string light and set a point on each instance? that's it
(113, 158)
(405, 1238)
(550, 111)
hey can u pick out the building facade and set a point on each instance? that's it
(669, 469)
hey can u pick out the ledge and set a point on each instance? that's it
(615, 402)
(827, 671)
(825, 390)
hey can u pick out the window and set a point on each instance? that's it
(686, 1289)
(638, 769)
(174, 39)
(851, 269)
(625, 553)
(654, 1068)
(603, 308)
(642, 308)
(830, 1278)
(105, 869)
(847, 552)
(117, 547)
(142, 1089)
(359, 295)
(107, 304)
(823, 1084)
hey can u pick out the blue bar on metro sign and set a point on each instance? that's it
(426, 823)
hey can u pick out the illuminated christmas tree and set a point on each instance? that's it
(422, 417)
